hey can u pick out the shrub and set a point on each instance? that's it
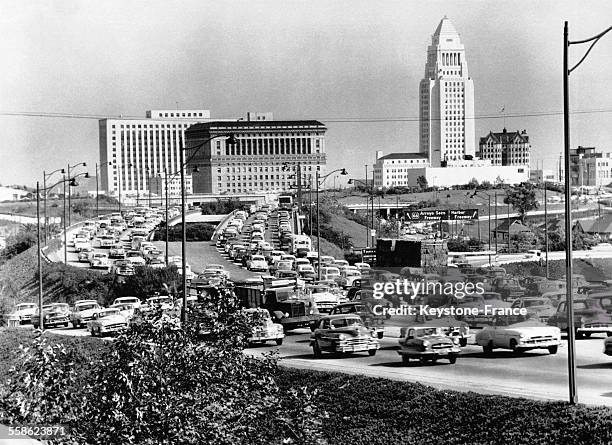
(195, 232)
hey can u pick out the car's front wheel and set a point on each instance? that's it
(463, 342)
(316, 349)
(381, 335)
(553, 349)
(405, 359)
(452, 358)
(372, 352)
(488, 348)
(279, 341)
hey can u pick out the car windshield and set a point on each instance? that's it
(427, 331)
(26, 306)
(346, 322)
(86, 307)
(108, 313)
(530, 303)
(284, 266)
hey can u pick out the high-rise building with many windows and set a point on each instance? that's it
(264, 159)
(134, 150)
(446, 97)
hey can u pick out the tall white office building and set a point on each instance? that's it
(446, 100)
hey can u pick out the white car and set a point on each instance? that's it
(105, 241)
(519, 334)
(135, 258)
(25, 311)
(83, 311)
(107, 321)
(362, 266)
(218, 269)
(164, 302)
(131, 300)
(258, 263)
(81, 244)
(99, 261)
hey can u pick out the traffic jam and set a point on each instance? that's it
(277, 273)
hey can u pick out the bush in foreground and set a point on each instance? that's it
(162, 382)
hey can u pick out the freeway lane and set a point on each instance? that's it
(534, 374)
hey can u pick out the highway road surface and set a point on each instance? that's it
(534, 374)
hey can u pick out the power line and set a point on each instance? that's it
(330, 119)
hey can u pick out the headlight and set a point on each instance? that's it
(522, 336)
(342, 337)
(426, 343)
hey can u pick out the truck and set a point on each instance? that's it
(287, 304)
(285, 202)
(300, 245)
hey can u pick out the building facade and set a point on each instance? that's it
(506, 148)
(264, 158)
(590, 168)
(446, 98)
(394, 170)
(138, 149)
(159, 182)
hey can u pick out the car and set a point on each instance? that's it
(134, 257)
(107, 321)
(258, 263)
(164, 302)
(24, 312)
(376, 323)
(123, 268)
(348, 277)
(427, 344)
(265, 329)
(538, 307)
(330, 273)
(99, 261)
(306, 271)
(519, 333)
(589, 317)
(156, 263)
(132, 300)
(54, 314)
(117, 253)
(608, 346)
(82, 244)
(219, 269)
(83, 311)
(342, 333)
(327, 260)
(84, 255)
(323, 296)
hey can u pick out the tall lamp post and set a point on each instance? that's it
(69, 197)
(571, 341)
(231, 140)
(72, 182)
(370, 198)
(319, 182)
(45, 176)
(476, 195)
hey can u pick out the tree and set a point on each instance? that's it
(422, 182)
(523, 199)
(473, 184)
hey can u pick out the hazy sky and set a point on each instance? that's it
(325, 60)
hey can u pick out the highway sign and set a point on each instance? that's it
(441, 215)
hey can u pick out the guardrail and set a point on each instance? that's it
(222, 225)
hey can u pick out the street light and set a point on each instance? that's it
(319, 181)
(476, 195)
(45, 176)
(72, 182)
(571, 341)
(370, 198)
(231, 140)
(69, 204)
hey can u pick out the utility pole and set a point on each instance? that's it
(546, 228)
(367, 209)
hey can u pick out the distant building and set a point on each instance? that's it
(600, 226)
(264, 158)
(590, 168)
(514, 228)
(141, 148)
(446, 100)
(12, 194)
(505, 148)
(395, 169)
(157, 185)
(543, 175)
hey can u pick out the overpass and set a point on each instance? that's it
(195, 216)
